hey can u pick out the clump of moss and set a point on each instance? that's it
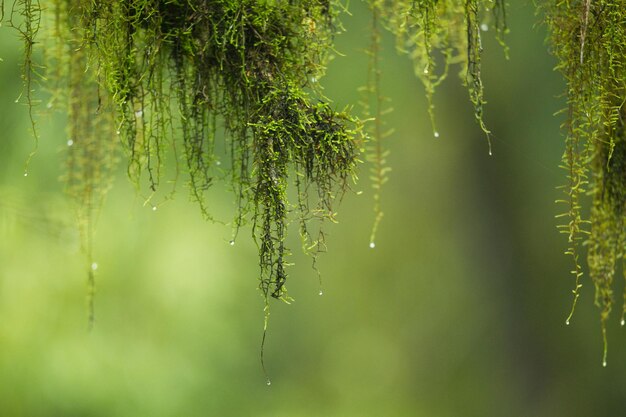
(172, 78)
(434, 34)
(589, 41)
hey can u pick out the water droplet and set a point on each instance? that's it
(232, 243)
(94, 266)
(623, 322)
(218, 163)
(70, 142)
(372, 245)
(117, 132)
(313, 79)
(436, 134)
(567, 322)
(268, 382)
(426, 70)
(484, 27)
(139, 113)
(26, 174)
(321, 292)
(604, 363)
(490, 153)
(154, 208)
(49, 105)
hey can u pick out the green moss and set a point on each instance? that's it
(168, 79)
(177, 79)
(589, 41)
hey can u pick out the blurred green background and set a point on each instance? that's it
(458, 311)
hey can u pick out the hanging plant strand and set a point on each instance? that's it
(589, 40)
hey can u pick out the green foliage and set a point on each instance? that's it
(166, 75)
(180, 79)
(174, 77)
(25, 18)
(437, 34)
(433, 34)
(589, 41)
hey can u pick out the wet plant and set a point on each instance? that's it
(589, 40)
(152, 81)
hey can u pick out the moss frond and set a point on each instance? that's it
(589, 40)
(25, 18)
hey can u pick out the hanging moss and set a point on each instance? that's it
(180, 78)
(589, 41)
(434, 34)
(171, 78)
(25, 17)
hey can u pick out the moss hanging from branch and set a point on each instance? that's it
(438, 33)
(182, 78)
(589, 40)
(433, 33)
(25, 18)
(173, 77)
